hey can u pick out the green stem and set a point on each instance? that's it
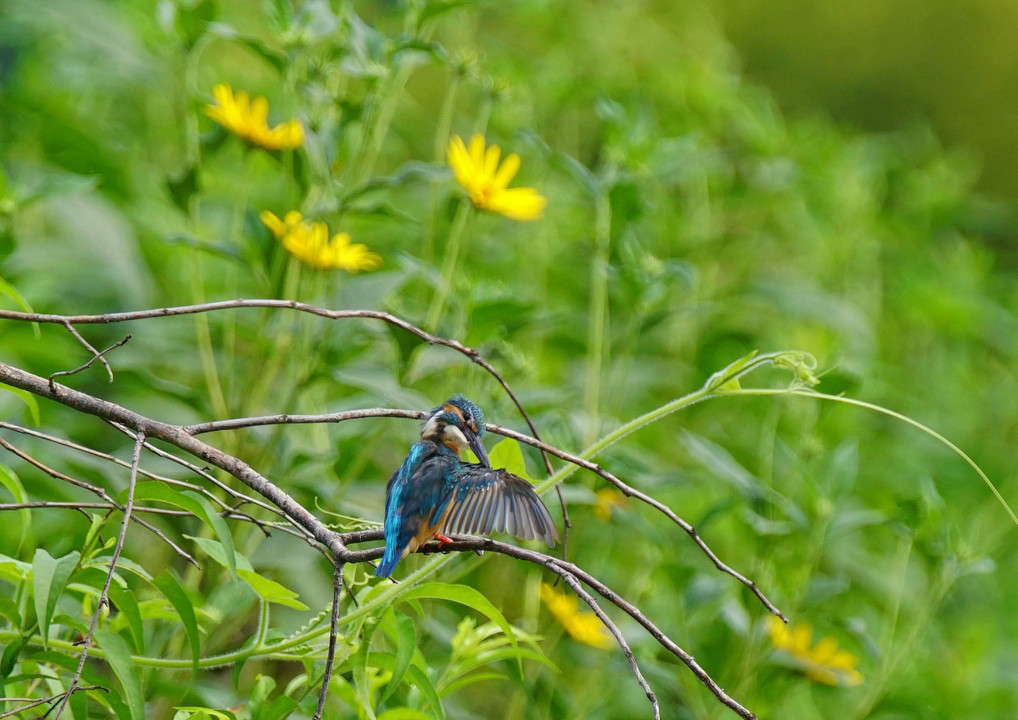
(443, 130)
(204, 337)
(598, 313)
(273, 651)
(725, 384)
(452, 252)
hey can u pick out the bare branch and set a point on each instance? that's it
(337, 589)
(572, 582)
(175, 435)
(109, 504)
(43, 701)
(132, 482)
(96, 355)
(630, 491)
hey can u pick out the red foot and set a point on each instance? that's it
(442, 540)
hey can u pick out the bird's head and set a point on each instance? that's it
(458, 424)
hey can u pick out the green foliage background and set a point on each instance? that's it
(689, 223)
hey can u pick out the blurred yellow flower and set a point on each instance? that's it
(824, 663)
(248, 119)
(478, 171)
(581, 625)
(606, 500)
(309, 242)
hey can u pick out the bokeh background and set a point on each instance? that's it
(722, 177)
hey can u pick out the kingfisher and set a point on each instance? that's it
(435, 492)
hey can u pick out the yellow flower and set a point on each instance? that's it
(580, 624)
(606, 500)
(249, 119)
(309, 242)
(824, 663)
(478, 171)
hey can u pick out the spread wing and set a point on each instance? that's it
(483, 500)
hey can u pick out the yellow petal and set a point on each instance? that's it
(522, 204)
(273, 223)
(506, 172)
(223, 94)
(491, 156)
(477, 152)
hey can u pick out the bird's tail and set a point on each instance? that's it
(388, 563)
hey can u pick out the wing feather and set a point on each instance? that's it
(484, 501)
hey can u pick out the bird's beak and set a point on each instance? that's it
(478, 447)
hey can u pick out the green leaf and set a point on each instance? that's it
(182, 187)
(218, 525)
(170, 586)
(359, 663)
(9, 610)
(200, 713)
(341, 686)
(727, 377)
(9, 479)
(30, 402)
(193, 19)
(406, 341)
(467, 680)
(118, 655)
(49, 576)
(214, 549)
(424, 684)
(471, 598)
(125, 603)
(270, 590)
(402, 631)
(12, 292)
(404, 713)
(10, 656)
(508, 454)
(79, 705)
(197, 506)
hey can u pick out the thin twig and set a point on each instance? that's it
(132, 482)
(427, 337)
(572, 582)
(100, 492)
(337, 589)
(205, 474)
(175, 435)
(227, 509)
(36, 703)
(96, 354)
(630, 491)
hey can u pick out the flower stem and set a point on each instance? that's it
(598, 313)
(443, 129)
(452, 253)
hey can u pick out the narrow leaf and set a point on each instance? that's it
(49, 576)
(125, 603)
(9, 479)
(197, 506)
(404, 634)
(270, 590)
(30, 402)
(170, 586)
(118, 655)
